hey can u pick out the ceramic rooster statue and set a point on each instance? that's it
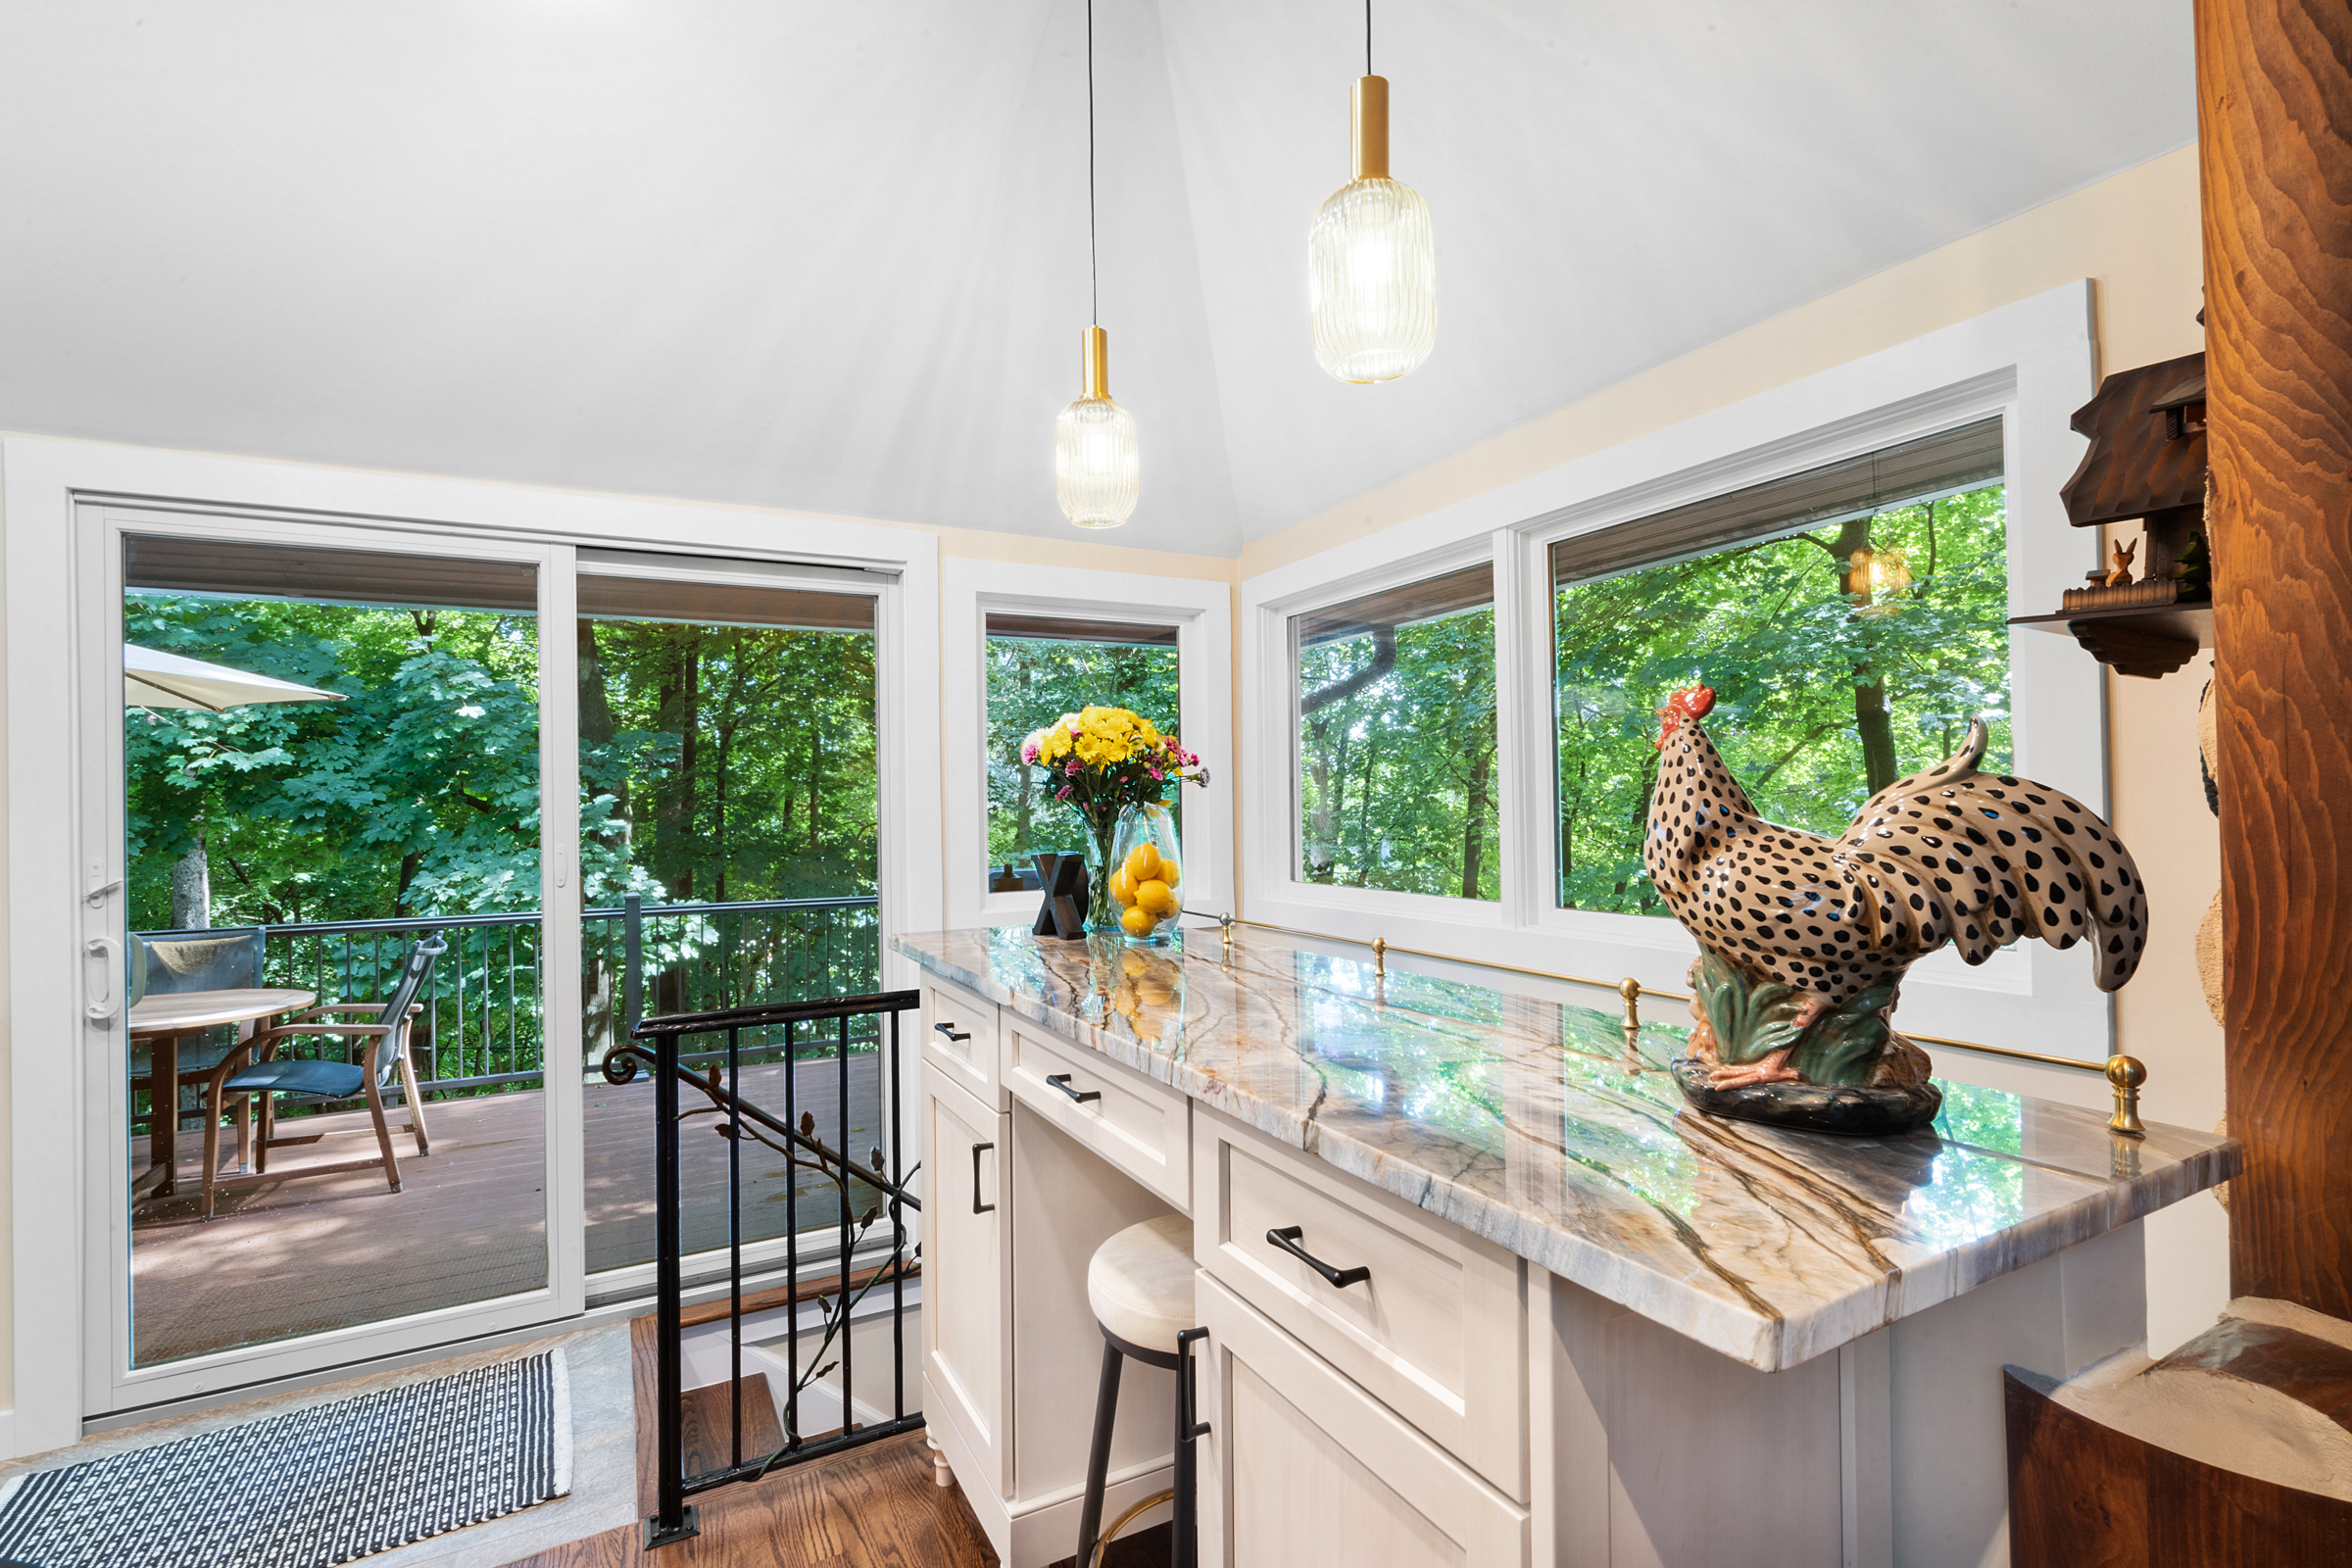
(1805, 938)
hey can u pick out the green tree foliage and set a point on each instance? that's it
(419, 794)
(1031, 683)
(725, 764)
(1396, 784)
(1830, 680)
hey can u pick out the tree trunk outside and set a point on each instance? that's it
(1874, 721)
(192, 891)
(1874, 725)
(1474, 826)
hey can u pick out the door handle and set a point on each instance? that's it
(1188, 1386)
(1061, 1081)
(1287, 1239)
(977, 1207)
(949, 1029)
(102, 1006)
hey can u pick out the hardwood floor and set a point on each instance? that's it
(871, 1507)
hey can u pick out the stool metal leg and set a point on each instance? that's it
(1183, 1538)
(1097, 1457)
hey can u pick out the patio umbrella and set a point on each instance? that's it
(153, 678)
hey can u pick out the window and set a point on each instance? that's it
(1396, 766)
(1850, 618)
(1038, 668)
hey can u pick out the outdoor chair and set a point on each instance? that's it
(254, 1068)
(228, 960)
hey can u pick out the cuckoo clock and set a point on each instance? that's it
(2148, 609)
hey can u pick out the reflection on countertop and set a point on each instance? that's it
(1528, 1122)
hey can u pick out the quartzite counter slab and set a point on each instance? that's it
(1522, 1121)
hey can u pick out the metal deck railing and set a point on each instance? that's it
(483, 1029)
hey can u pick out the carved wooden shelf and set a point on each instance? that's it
(2151, 641)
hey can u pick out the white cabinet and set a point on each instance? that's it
(1431, 1320)
(967, 1245)
(1302, 1469)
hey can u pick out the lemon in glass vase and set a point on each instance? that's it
(1150, 867)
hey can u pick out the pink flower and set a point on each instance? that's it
(1063, 793)
(1029, 751)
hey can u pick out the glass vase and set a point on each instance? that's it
(1101, 909)
(1147, 874)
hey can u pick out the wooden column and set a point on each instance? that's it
(2274, 148)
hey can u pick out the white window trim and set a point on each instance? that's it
(2033, 363)
(42, 483)
(1201, 610)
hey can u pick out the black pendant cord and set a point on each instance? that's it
(1093, 263)
(1367, 35)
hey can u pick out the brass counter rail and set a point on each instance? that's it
(2123, 1074)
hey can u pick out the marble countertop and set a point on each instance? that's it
(1529, 1122)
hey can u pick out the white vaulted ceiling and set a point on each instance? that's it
(833, 258)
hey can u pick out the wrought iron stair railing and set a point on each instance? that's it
(882, 1237)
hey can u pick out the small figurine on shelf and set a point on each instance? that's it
(2121, 576)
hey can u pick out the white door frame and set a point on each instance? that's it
(51, 646)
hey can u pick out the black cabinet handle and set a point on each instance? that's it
(1287, 1239)
(1188, 1390)
(949, 1029)
(1061, 1081)
(979, 1208)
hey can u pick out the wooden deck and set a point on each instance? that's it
(302, 1256)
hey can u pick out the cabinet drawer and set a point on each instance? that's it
(959, 1036)
(1142, 1127)
(1305, 1471)
(1437, 1331)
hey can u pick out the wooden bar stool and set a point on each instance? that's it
(1140, 1284)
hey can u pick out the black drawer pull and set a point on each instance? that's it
(1189, 1424)
(949, 1029)
(1287, 1239)
(1061, 1081)
(979, 1208)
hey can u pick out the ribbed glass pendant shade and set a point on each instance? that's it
(1098, 469)
(1372, 262)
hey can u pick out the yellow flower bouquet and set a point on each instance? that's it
(1103, 760)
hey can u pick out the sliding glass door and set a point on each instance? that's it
(369, 816)
(728, 795)
(317, 768)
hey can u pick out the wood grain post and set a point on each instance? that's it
(2275, 150)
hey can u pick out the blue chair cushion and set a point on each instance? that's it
(296, 1076)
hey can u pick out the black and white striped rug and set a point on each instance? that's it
(310, 1489)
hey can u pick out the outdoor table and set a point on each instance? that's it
(161, 1021)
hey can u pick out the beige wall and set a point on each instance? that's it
(2136, 236)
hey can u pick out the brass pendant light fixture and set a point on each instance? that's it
(1097, 469)
(1372, 259)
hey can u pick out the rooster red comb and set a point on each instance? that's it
(1697, 701)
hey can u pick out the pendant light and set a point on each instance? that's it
(1097, 471)
(1372, 261)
